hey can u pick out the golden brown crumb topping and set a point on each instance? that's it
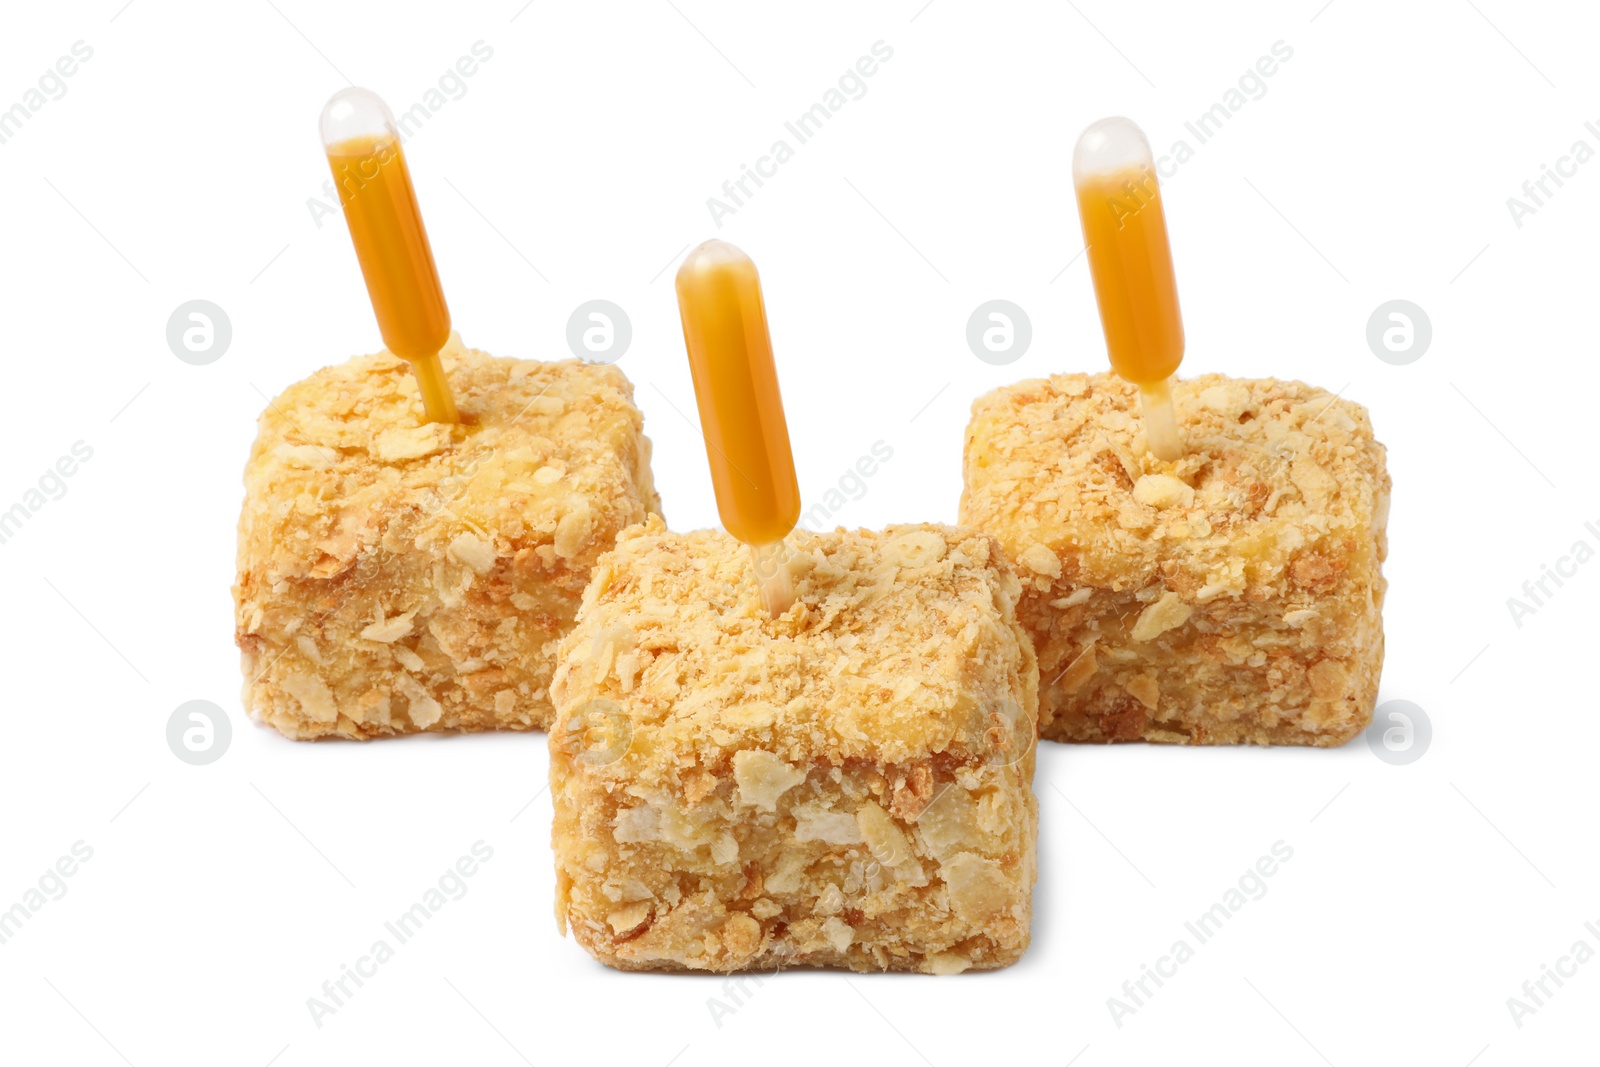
(890, 638)
(1274, 470)
(543, 451)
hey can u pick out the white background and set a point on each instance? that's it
(1377, 165)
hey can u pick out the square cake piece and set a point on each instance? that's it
(397, 575)
(847, 785)
(1233, 596)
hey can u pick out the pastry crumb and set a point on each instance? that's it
(847, 785)
(396, 575)
(1232, 596)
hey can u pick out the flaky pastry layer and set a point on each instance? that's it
(848, 785)
(1232, 596)
(396, 575)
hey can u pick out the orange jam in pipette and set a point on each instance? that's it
(380, 207)
(1125, 231)
(741, 411)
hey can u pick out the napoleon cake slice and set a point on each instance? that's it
(1232, 596)
(846, 785)
(397, 575)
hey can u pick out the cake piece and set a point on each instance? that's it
(1232, 596)
(847, 785)
(397, 575)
